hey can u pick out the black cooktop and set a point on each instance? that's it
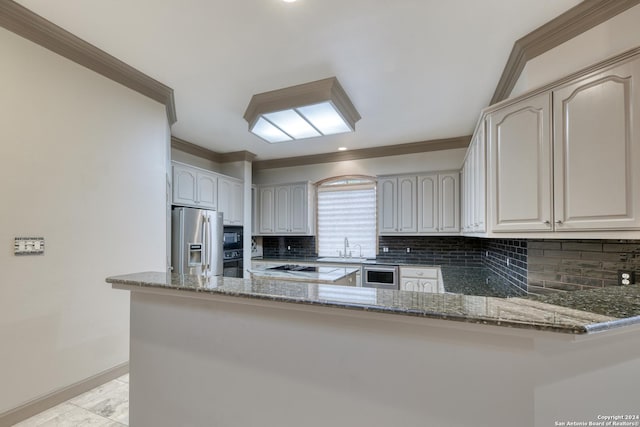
(293, 267)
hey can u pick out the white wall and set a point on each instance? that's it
(618, 34)
(408, 163)
(83, 164)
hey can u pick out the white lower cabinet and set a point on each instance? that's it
(421, 279)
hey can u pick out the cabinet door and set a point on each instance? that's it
(184, 186)
(449, 201)
(407, 204)
(428, 203)
(207, 191)
(409, 284)
(255, 213)
(237, 203)
(479, 183)
(387, 205)
(266, 216)
(467, 192)
(597, 151)
(430, 286)
(224, 200)
(298, 211)
(520, 165)
(282, 206)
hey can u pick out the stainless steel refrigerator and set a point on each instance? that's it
(196, 242)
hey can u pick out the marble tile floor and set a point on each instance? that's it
(104, 406)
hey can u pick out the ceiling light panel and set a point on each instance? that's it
(303, 111)
(292, 123)
(269, 132)
(325, 118)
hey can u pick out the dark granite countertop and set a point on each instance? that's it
(509, 312)
(614, 301)
(478, 281)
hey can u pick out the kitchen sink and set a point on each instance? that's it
(352, 260)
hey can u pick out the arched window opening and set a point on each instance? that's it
(347, 217)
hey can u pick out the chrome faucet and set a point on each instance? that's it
(346, 246)
(359, 250)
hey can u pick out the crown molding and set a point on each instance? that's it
(23, 22)
(196, 150)
(573, 22)
(366, 153)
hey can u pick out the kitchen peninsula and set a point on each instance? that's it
(234, 352)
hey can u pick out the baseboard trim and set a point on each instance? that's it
(50, 400)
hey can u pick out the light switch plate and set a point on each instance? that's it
(28, 246)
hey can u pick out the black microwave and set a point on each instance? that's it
(232, 238)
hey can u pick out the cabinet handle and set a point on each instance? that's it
(558, 221)
(547, 222)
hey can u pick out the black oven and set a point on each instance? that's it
(232, 263)
(232, 238)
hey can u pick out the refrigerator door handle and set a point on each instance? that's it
(207, 243)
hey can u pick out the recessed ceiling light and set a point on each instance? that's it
(288, 1)
(342, 148)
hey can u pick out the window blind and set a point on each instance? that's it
(347, 211)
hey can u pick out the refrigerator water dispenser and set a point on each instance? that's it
(195, 255)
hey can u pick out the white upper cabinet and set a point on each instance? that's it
(449, 202)
(567, 158)
(207, 190)
(298, 215)
(230, 200)
(266, 210)
(286, 209)
(387, 205)
(597, 151)
(419, 204)
(472, 216)
(397, 205)
(520, 165)
(203, 189)
(428, 203)
(184, 185)
(283, 207)
(194, 187)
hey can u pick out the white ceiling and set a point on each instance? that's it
(415, 69)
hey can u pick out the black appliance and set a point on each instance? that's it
(232, 238)
(232, 265)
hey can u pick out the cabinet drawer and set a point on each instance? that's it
(421, 273)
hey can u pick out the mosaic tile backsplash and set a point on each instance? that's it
(508, 259)
(536, 265)
(579, 264)
(289, 246)
(454, 251)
